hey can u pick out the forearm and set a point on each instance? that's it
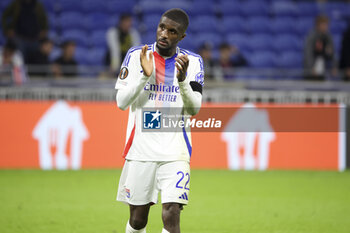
(125, 97)
(192, 99)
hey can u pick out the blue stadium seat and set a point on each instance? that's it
(183, 4)
(201, 8)
(287, 42)
(93, 6)
(258, 25)
(239, 40)
(50, 5)
(214, 39)
(151, 22)
(120, 6)
(233, 24)
(53, 35)
(72, 20)
(337, 10)
(290, 60)
(205, 24)
(100, 21)
(189, 43)
(199, 1)
(53, 20)
(337, 27)
(337, 40)
(300, 41)
(152, 7)
(79, 36)
(264, 59)
(80, 55)
(307, 9)
(230, 8)
(4, 4)
(284, 8)
(282, 25)
(96, 56)
(69, 5)
(260, 42)
(98, 39)
(230, 1)
(255, 8)
(303, 25)
(148, 38)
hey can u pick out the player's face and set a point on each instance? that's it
(169, 33)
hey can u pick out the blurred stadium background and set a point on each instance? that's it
(270, 34)
(50, 123)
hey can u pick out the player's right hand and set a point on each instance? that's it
(146, 62)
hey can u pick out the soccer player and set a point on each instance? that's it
(160, 75)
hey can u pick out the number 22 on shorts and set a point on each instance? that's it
(182, 177)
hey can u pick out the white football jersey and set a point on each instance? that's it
(161, 92)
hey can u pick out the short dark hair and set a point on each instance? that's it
(178, 15)
(125, 16)
(321, 19)
(224, 45)
(66, 43)
(45, 40)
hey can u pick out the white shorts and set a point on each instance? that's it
(140, 182)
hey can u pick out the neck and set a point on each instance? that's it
(166, 52)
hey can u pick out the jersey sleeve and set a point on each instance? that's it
(191, 87)
(130, 69)
(197, 72)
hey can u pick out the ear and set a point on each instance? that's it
(182, 37)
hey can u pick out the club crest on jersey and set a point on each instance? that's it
(152, 119)
(123, 73)
(200, 78)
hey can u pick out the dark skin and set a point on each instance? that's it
(169, 34)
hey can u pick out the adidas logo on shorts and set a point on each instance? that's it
(184, 196)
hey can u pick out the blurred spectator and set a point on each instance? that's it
(345, 54)
(11, 63)
(119, 40)
(230, 57)
(205, 51)
(40, 62)
(26, 22)
(66, 65)
(319, 54)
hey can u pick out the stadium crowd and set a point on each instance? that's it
(49, 38)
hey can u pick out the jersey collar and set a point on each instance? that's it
(175, 55)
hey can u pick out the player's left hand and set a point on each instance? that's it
(181, 65)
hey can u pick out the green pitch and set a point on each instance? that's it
(220, 201)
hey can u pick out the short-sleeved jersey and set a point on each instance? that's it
(161, 91)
